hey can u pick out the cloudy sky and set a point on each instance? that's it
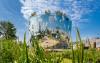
(84, 13)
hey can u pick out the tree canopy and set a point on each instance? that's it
(7, 30)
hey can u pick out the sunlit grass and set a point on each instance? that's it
(65, 60)
(12, 51)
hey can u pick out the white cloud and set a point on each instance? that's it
(75, 9)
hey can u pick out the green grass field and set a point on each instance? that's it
(12, 51)
(65, 60)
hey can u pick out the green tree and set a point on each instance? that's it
(8, 30)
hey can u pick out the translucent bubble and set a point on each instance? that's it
(52, 21)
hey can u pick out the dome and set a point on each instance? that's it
(52, 21)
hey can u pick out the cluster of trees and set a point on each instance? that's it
(7, 30)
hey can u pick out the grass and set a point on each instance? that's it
(12, 51)
(65, 60)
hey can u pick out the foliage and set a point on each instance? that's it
(41, 56)
(9, 51)
(7, 29)
(12, 51)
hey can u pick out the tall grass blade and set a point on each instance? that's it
(80, 47)
(25, 48)
(73, 56)
(77, 45)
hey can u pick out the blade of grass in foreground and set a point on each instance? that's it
(80, 46)
(77, 45)
(73, 58)
(25, 48)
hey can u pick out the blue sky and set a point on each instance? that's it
(11, 10)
